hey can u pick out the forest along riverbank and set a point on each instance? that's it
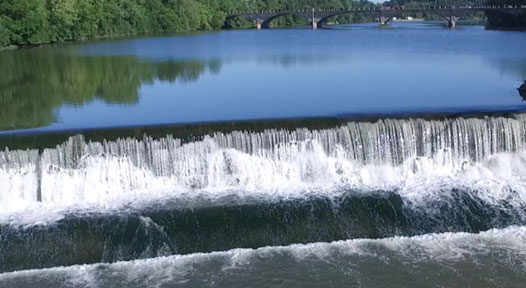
(34, 22)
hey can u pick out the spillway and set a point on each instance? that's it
(107, 201)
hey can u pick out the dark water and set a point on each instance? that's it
(488, 259)
(165, 231)
(240, 75)
(360, 198)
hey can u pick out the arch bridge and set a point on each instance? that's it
(382, 14)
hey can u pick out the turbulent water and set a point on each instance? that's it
(388, 181)
(490, 259)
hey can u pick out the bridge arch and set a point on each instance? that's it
(383, 14)
(322, 20)
(266, 22)
(263, 19)
(233, 17)
(387, 16)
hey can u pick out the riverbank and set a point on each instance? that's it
(34, 22)
(11, 47)
(104, 38)
(183, 32)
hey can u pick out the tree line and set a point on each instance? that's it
(29, 22)
(33, 22)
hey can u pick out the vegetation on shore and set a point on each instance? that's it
(34, 22)
(30, 22)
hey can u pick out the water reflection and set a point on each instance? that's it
(261, 75)
(36, 83)
(512, 66)
(290, 60)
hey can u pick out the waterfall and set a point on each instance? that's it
(356, 153)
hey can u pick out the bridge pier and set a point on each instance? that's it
(452, 22)
(315, 23)
(314, 20)
(383, 14)
(259, 24)
(383, 21)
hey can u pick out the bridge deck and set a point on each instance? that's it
(383, 13)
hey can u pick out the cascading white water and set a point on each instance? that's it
(407, 155)
(18, 177)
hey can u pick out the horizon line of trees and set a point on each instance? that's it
(34, 22)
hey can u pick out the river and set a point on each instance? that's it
(346, 156)
(239, 75)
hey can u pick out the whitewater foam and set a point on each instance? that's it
(420, 159)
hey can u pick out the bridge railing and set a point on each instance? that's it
(386, 8)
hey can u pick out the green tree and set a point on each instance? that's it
(87, 22)
(5, 34)
(27, 21)
(63, 15)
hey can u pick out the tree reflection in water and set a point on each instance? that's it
(35, 83)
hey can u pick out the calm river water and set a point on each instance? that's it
(239, 75)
